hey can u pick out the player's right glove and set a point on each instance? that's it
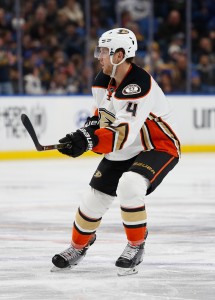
(79, 142)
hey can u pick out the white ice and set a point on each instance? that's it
(38, 201)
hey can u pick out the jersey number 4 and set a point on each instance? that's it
(132, 108)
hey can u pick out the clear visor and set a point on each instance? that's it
(101, 52)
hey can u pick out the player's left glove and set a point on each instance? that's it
(79, 142)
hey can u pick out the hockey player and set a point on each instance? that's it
(133, 127)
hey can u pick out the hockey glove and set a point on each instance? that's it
(79, 142)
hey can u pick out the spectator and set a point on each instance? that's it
(7, 59)
(206, 71)
(74, 12)
(72, 43)
(126, 18)
(99, 18)
(212, 38)
(206, 47)
(45, 67)
(4, 23)
(74, 70)
(28, 10)
(173, 26)
(165, 82)
(39, 29)
(153, 61)
(194, 44)
(181, 73)
(52, 11)
(196, 86)
(174, 52)
(139, 8)
(32, 83)
(201, 14)
(61, 23)
(58, 85)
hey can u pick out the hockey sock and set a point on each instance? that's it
(134, 221)
(83, 229)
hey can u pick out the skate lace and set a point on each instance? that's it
(71, 253)
(130, 251)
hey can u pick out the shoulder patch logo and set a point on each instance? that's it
(131, 89)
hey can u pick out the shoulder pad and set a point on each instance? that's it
(136, 84)
(101, 80)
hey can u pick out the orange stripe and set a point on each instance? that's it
(80, 240)
(169, 161)
(135, 235)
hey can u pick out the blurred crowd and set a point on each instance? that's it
(58, 38)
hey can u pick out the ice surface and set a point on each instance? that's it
(38, 201)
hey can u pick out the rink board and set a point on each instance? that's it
(54, 116)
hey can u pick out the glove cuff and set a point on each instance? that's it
(92, 122)
(91, 140)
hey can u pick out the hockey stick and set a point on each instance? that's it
(29, 127)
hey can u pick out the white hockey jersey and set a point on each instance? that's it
(136, 116)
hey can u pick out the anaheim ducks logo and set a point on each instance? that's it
(131, 89)
(123, 31)
(97, 174)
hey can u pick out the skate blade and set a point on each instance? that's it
(61, 270)
(127, 271)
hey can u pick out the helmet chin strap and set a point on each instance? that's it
(115, 65)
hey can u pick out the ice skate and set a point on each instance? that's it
(70, 257)
(129, 261)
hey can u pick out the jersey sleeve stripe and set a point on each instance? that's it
(123, 131)
(96, 112)
(169, 133)
(166, 129)
(148, 137)
(143, 139)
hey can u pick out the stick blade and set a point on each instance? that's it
(24, 118)
(30, 129)
(28, 126)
